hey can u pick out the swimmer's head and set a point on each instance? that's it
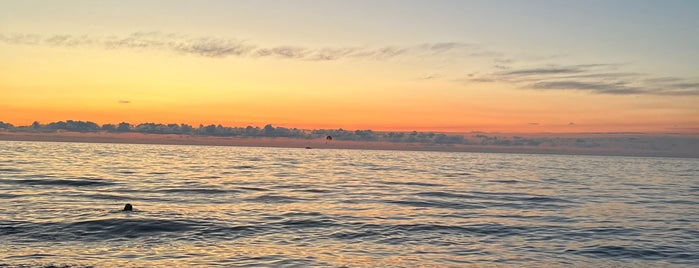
(128, 207)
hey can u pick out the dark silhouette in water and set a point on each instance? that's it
(328, 138)
(128, 207)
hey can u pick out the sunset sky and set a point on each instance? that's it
(456, 66)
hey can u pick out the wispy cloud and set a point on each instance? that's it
(214, 47)
(206, 47)
(617, 88)
(428, 77)
(197, 46)
(288, 52)
(542, 71)
(601, 78)
(445, 46)
(598, 78)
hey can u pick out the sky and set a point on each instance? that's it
(448, 66)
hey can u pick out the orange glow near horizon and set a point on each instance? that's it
(311, 119)
(108, 86)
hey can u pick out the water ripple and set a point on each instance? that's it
(236, 207)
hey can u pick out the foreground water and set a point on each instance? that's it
(237, 206)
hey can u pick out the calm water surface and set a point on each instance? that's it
(238, 206)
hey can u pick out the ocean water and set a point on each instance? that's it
(60, 206)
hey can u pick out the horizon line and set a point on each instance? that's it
(681, 131)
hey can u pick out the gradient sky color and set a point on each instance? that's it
(457, 66)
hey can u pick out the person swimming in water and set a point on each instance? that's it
(128, 207)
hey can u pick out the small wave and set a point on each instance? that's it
(273, 199)
(682, 202)
(446, 195)
(131, 226)
(435, 204)
(521, 197)
(319, 191)
(243, 167)
(544, 199)
(131, 195)
(352, 235)
(10, 227)
(293, 187)
(480, 229)
(226, 232)
(119, 228)
(376, 168)
(505, 181)
(41, 264)
(257, 189)
(523, 205)
(103, 229)
(630, 252)
(285, 174)
(455, 175)
(208, 177)
(9, 196)
(400, 233)
(306, 223)
(513, 200)
(411, 183)
(105, 196)
(302, 214)
(158, 172)
(198, 190)
(60, 182)
(11, 170)
(606, 231)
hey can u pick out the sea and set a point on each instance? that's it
(207, 206)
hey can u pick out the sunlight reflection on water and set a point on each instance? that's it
(238, 206)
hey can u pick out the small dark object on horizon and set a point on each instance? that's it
(128, 207)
